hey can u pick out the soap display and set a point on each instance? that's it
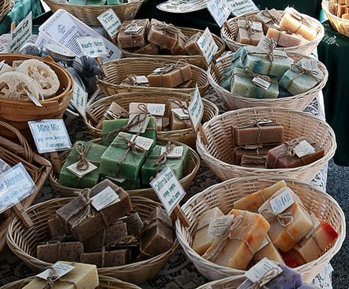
(133, 33)
(53, 252)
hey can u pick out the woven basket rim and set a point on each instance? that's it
(88, 7)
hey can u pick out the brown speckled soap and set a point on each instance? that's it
(111, 258)
(52, 253)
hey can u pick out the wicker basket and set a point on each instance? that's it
(118, 70)
(5, 7)
(190, 172)
(89, 13)
(307, 49)
(223, 195)
(18, 113)
(105, 282)
(197, 60)
(218, 155)
(298, 102)
(37, 167)
(341, 25)
(186, 136)
(23, 242)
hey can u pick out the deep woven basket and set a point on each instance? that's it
(339, 24)
(5, 7)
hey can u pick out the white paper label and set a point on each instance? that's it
(196, 109)
(140, 127)
(79, 99)
(156, 109)
(92, 46)
(118, 180)
(50, 135)
(4, 166)
(176, 153)
(110, 22)
(261, 82)
(219, 226)
(104, 199)
(220, 10)
(281, 202)
(143, 142)
(241, 7)
(134, 29)
(180, 113)
(207, 45)
(79, 173)
(303, 149)
(264, 44)
(258, 271)
(21, 34)
(59, 270)
(309, 64)
(142, 79)
(168, 189)
(59, 50)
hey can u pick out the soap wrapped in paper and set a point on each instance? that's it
(60, 251)
(163, 34)
(133, 33)
(249, 32)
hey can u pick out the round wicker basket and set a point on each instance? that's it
(23, 242)
(5, 7)
(307, 49)
(223, 195)
(298, 102)
(89, 13)
(197, 60)
(218, 155)
(341, 25)
(118, 70)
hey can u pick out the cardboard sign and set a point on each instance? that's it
(92, 46)
(220, 10)
(21, 34)
(79, 99)
(258, 271)
(196, 109)
(110, 22)
(241, 7)
(207, 45)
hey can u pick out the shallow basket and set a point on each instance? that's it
(23, 242)
(298, 102)
(89, 13)
(339, 24)
(120, 69)
(197, 60)
(105, 282)
(225, 194)
(190, 172)
(37, 167)
(186, 136)
(5, 7)
(18, 113)
(218, 155)
(307, 49)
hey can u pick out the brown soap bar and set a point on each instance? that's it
(249, 32)
(187, 84)
(179, 49)
(176, 122)
(133, 33)
(163, 34)
(259, 132)
(55, 228)
(256, 156)
(279, 157)
(134, 223)
(106, 259)
(150, 48)
(73, 215)
(191, 46)
(52, 253)
(110, 235)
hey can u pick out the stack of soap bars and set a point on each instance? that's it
(340, 8)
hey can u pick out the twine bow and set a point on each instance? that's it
(53, 277)
(266, 13)
(284, 219)
(162, 159)
(184, 107)
(169, 28)
(268, 276)
(170, 67)
(301, 70)
(134, 23)
(249, 27)
(256, 123)
(82, 150)
(250, 73)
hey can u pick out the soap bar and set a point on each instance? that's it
(241, 242)
(163, 34)
(134, 223)
(202, 241)
(251, 155)
(133, 33)
(284, 39)
(269, 18)
(253, 201)
(268, 251)
(282, 156)
(191, 46)
(150, 48)
(55, 228)
(83, 276)
(249, 32)
(292, 258)
(263, 131)
(170, 75)
(187, 84)
(51, 253)
(139, 107)
(73, 214)
(295, 24)
(176, 122)
(106, 258)
(106, 238)
(179, 48)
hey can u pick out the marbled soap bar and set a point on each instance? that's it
(107, 258)
(284, 39)
(249, 32)
(251, 156)
(290, 23)
(73, 214)
(150, 48)
(83, 276)
(133, 33)
(179, 48)
(268, 251)
(163, 34)
(51, 253)
(242, 240)
(55, 228)
(176, 122)
(191, 46)
(202, 241)
(269, 18)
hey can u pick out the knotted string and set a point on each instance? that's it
(162, 159)
(132, 34)
(168, 28)
(268, 276)
(259, 123)
(284, 219)
(266, 13)
(170, 67)
(82, 150)
(250, 73)
(53, 277)
(300, 71)
(184, 107)
(248, 26)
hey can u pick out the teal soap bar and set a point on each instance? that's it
(125, 184)
(119, 161)
(271, 92)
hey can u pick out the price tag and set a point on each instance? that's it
(219, 226)
(50, 135)
(241, 7)
(168, 189)
(134, 29)
(21, 34)
(92, 46)
(304, 149)
(264, 44)
(59, 270)
(261, 82)
(196, 109)
(110, 22)
(104, 199)
(141, 126)
(207, 45)
(143, 142)
(176, 153)
(156, 109)
(309, 64)
(281, 202)
(81, 173)
(220, 10)
(4, 166)
(258, 271)
(79, 99)
(180, 113)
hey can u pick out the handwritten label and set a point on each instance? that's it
(220, 10)
(79, 99)
(168, 189)
(196, 109)
(104, 199)
(207, 45)
(258, 271)
(143, 142)
(261, 82)
(219, 226)
(50, 135)
(180, 113)
(21, 33)
(264, 44)
(141, 126)
(15, 185)
(282, 202)
(304, 149)
(241, 7)
(81, 173)
(110, 22)
(59, 270)
(309, 64)
(92, 46)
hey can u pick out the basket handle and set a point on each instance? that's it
(28, 152)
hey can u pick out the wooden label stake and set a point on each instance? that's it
(215, 69)
(22, 214)
(55, 162)
(203, 135)
(178, 213)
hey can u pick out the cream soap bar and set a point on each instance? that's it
(290, 23)
(268, 251)
(249, 32)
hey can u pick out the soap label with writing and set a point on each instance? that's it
(180, 113)
(134, 29)
(156, 109)
(304, 149)
(142, 79)
(220, 10)
(92, 46)
(21, 34)
(73, 168)
(110, 22)
(241, 7)
(261, 82)
(143, 142)
(196, 108)
(282, 202)
(140, 126)
(59, 270)
(261, 269)
(79, 99)
(309, 64)
(104, 199)
(176, 153)
(207, 45)
(219, 226)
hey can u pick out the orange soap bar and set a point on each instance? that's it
(268, 251)
(290, 23)
(284, 39)
(176, 122)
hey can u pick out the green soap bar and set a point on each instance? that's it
(271, 92)
(177, 165)
(120, 162)
(241, 84)
(87, 2)
(126, 184)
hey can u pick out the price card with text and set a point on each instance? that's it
(207, 45)
(168, 189)
(21, 33)
(92, 46)
(241, 7)
(79, 99)
(110, 22)
(50, 135)
(220, 10)
(196, 109)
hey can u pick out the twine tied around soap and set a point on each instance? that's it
(250, 73)
(284, 219)
(268, 276)
(170, 67)
(83, 163)
(249, 27)
(268, 14)
(256, 160)
(52, 278)
(162, 159)
(184, 107)
(300, 71)
(168, 28)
